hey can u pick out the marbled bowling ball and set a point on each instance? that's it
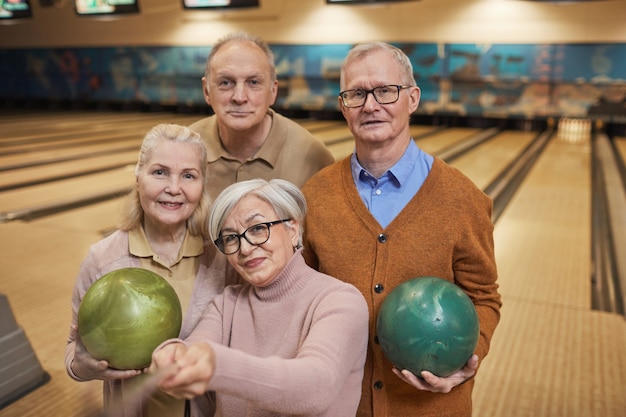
(126, 314)
(428, 324)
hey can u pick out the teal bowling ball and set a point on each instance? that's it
(428, 324)
(126, 314)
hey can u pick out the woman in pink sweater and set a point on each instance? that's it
(291, 340)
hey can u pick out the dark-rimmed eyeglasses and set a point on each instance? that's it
(385, 94)
(255, 235)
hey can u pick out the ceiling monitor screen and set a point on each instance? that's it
(14, 9)
(219, 4)
(105, 7)
(365, 1)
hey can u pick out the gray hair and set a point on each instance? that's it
(242, 37)
(133, 216)
(285, 198)
(360, 51)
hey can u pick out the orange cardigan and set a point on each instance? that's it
(444, 231)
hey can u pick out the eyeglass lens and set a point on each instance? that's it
(385, 94)
(255, 235)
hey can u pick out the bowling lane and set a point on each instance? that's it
(550, 347)
(101, 218)
(316, 125)
(557, 193)
(483, 163)
(65, 140)
(419, 130)
(66, 190)
(42, 173)
(336, 134)
(8, 162)
(341, 149)
(438, 141)
(38, 266)
(37, 127)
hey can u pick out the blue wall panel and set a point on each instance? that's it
(504, 80)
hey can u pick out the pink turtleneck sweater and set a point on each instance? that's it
(297, 346)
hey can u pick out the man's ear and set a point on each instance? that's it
(414, 99)
(274, 92)
(205, 91)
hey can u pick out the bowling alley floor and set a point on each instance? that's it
(552, 355)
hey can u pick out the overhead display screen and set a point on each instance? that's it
(14, 9)
(105, 7)
(219, 4)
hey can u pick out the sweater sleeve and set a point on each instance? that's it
(333, 350)
(83, 282)
(475, 271)
(106, 255)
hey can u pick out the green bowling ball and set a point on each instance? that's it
(428, 324)
(126, 314)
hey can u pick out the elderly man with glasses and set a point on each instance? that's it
(391, 212)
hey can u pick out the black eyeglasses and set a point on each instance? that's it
(385, 94)
(255, 235)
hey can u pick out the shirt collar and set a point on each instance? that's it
(399, 173)
(138, 244)
(269, 151)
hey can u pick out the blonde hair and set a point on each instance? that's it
(133, 215)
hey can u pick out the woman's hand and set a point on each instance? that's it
(186, 370)
(433, 383)
(86, 367)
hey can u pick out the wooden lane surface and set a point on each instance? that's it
(335, 134)
(10, 162)
(43, 194)
(60, 142)
(483, 163)
(37, 126)
(439, 141)
(43, 173)
(66, 141)
(551, 354)
(101, 218)
(318, 125)
(38, 266)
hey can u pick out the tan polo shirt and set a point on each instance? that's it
(182, 274)
(289, 152)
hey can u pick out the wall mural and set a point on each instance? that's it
(489, 80)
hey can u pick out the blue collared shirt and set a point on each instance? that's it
(385, 197)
